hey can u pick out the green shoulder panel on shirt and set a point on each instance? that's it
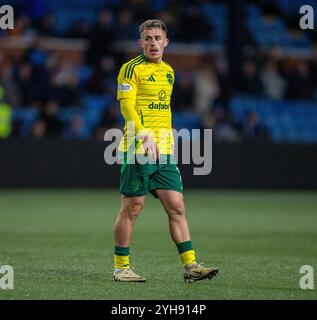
(131, 65)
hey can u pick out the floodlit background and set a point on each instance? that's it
(243, 68)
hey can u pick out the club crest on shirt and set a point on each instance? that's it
(169, 78)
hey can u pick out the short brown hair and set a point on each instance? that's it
(153, 24)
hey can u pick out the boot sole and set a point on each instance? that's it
(210, 275)
(135, 280)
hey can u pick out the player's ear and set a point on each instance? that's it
(166, 42)
(140, 43)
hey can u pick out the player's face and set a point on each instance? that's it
(153, 42)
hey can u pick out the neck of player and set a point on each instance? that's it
(157, 61)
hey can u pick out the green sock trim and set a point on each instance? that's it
(120, 251)
(185, 246)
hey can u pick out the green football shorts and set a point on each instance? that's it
(139, 179)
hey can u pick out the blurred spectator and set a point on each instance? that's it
(183, 92)
(53, 124)
(9, 85)
(101, 37)
(80, 29)
(126, 28)
(95, 84)
(250, 82)
(193, 26)
(5, 117)
(25, 84)
(223, 130)
(108, 65)
(64, 85)
(141, 9)
(300, 82)
(253, 130)
(38, 130)
(206, 88)
(22, 28)
(110, 120)
(221, 68)
(103, 77)
(46, 25)
(172, 21)
(36, 54)
(76, 130)
(274, 84)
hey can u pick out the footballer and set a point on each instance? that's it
(145, 86)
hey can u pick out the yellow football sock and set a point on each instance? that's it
(188, 257)
(121, 262)
(121, 258)
(186, 252)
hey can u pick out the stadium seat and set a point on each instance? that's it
(188, 120)
(96, 102)
(27, 117)
(287, 121)
(65, 18)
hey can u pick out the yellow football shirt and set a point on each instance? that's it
(147, 88)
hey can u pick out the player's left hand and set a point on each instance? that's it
(150, 147)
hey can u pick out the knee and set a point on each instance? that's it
(133, 209)
(177, 211)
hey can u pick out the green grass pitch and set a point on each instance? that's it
(60, 244)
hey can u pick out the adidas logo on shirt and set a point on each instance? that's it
(150, 78)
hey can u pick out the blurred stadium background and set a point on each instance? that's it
(243, 68)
